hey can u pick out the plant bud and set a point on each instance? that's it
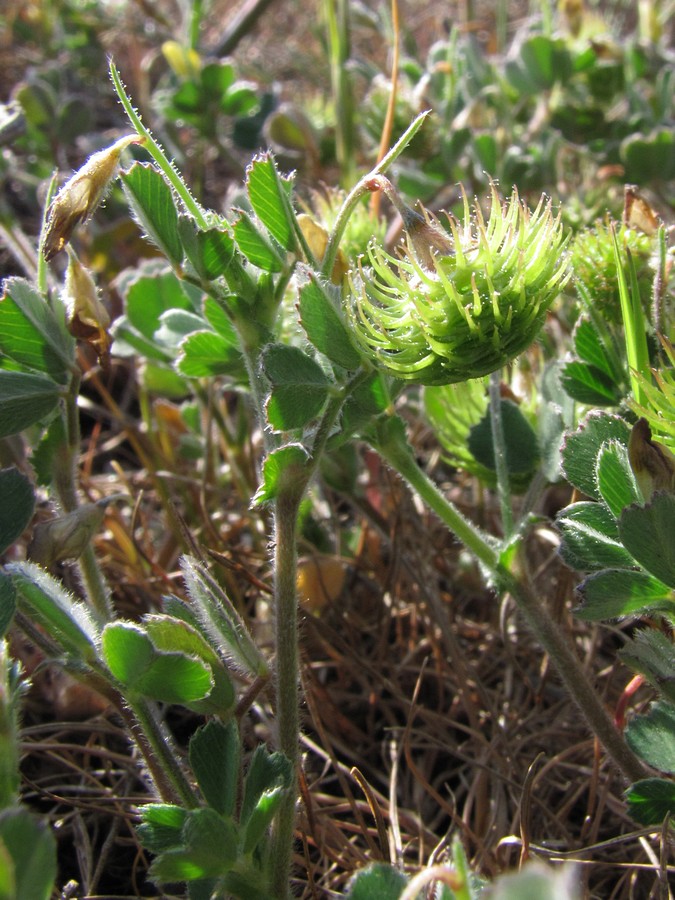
(81, 195)
(653, 464)
(65, 537)
(317, 241)
(460, 305)
(88, 319)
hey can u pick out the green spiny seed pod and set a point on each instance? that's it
(594, 264)
(460, 305)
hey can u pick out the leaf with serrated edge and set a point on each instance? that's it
(220, 621)
(647, 532)
(152, 202)
(284, 464)
(581, 447)
(289, 406)
(651, 800)
(615, 478)
(324, 326)
(214, 752)
(30, 332)
(255, 247)
(591, 538)
(265, 187)
(18, 502)
(652, 736)
(24, 400)
(617, 593)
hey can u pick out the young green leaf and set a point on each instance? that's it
(614, 477)
(299, 387)
(324, 325)
(25, 400)
(153, 292)
(649, 156)
(269, 194)
(161, 381)
(153, 204)
(651, 800)
(208, 849)
(169, 677)
(65, 619)
(261, 818)
(169, 634)
(556, 415)
(590, 348)
(268, 774)
(215, 752)
(647, 532)
(29, 859)
(16, 509)
(52, 442)
(31, 334)
(616, 593)
(283, 467)
(211, 251)
(522, 451)
(204, 354)
(161, 826)
(652, 736)
(219, 320)
(220, 621)
(591, 538)
(379, 881)
(258, 250)
(581, 447)
(652, 654)
(587, 384)
(175, 325)
(365, 403)
(541, 63)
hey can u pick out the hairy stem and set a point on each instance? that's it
(157, 152)
(65, 484)
(286, 613)
(390, 442)
(580, 687)
(158, 753)
(288, 715)
(364, 186)
(499, 446)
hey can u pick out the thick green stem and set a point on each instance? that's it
(9, 730)
(157, 153)
(158, 753)
(580, 687)
(364, 186)
(65, 484)
(287, 506)
(499, 447)
(288, 715)
(391, 443)
(337, 20)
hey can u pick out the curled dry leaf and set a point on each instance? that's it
(653, 464)
(88, 319)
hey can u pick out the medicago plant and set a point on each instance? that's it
(323, 335)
